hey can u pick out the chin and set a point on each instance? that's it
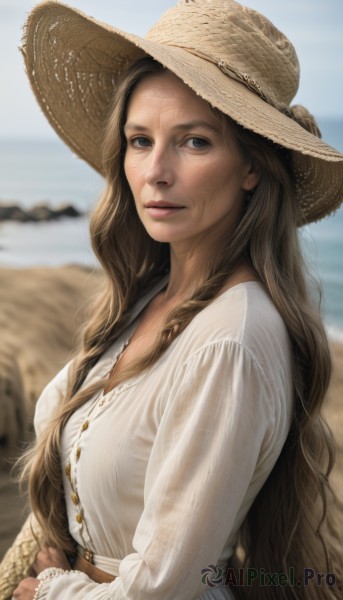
(160, 238)
(164, 237)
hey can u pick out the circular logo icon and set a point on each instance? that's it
(212, 576)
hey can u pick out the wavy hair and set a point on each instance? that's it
(286, 525)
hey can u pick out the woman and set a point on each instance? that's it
(191, 418)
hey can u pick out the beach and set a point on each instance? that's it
(41, 312)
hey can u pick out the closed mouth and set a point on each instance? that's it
(163, 205)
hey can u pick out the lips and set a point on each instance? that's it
(160, 209)
(162, 204)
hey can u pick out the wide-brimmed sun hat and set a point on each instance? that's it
(231, 56)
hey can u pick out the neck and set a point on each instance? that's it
(188, 269)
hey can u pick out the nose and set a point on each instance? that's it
(159, 169)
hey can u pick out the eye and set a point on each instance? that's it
(140, 142)
(197, 143)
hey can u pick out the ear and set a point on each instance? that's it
(252, 177)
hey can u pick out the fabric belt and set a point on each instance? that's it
(99, 576)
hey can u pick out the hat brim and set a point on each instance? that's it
(74, 63)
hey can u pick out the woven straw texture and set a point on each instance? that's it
(17, 562)
(231, 56)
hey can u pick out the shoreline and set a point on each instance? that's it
(55, 243)
(66, 241)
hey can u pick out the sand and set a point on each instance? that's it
(41, 310)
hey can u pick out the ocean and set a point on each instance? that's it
(38, 171)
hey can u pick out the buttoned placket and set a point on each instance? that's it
(71, 471)
(72, 466)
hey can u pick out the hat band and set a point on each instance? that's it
(249, 82)
(234, 73)
(297, 113)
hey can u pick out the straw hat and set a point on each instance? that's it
(230, 55)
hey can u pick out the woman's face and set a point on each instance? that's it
(187, 180)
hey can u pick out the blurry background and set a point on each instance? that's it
(35, 167)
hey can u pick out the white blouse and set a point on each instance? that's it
(160, 472)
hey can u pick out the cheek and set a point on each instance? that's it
(132, 174)
(127, 168)
(221, 179)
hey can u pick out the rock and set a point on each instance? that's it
(40, 212)
(67, 210)
(37, 213)
(11, 212)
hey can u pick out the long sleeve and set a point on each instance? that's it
(50, 399)
(219, 436)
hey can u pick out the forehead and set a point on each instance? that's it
(166, 92)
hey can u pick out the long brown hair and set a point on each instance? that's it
(282, 528)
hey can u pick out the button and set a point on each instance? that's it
(79, 518)
(85, 425)
(75, 498)
(88, 555)
(78, 452)
(67, 470)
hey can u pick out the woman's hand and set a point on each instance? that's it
(50, 557)
(26, 589)
(47, 557)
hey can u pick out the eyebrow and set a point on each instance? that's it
(181, 126)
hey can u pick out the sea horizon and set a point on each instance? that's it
(35, 171)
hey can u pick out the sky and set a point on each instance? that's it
(314, 26)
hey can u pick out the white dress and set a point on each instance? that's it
(163, 469)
